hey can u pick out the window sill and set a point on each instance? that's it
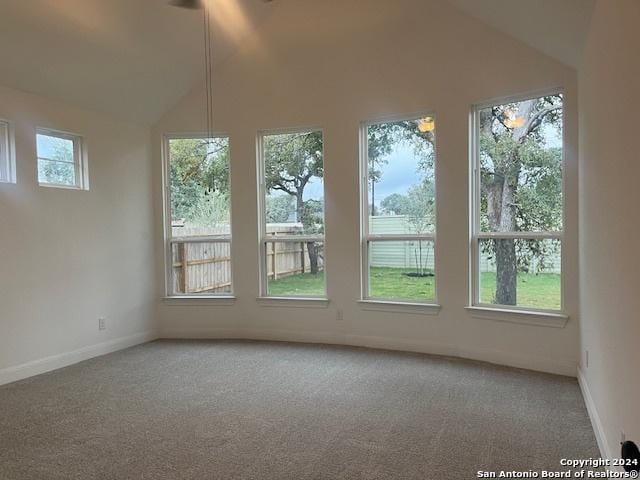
(400, 307)
(63, 187)
(526, 317)
(197, 301)
(293, 302)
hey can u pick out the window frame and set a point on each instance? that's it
(366, 237)
(80, 159)
(476, 235)
(263, 240)
(170, 240)
(8, 163)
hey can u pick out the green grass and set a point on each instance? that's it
(301, 285)
(393, 284)
(534, 291)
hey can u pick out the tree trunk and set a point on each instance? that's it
(506, 271)
(300, 207)
(500, 198)
(312, 248)
(501, 210)
(373, 198)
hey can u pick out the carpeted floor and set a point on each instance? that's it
(260, 410)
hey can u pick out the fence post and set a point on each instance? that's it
(274, 262)
(302, 256)
(183, 252)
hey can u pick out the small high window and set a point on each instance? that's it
(7, 153)
(61, 160)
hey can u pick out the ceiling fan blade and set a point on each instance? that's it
(190, 4)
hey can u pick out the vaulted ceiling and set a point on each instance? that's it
(132, 58)
(557, 28)
(137, 58)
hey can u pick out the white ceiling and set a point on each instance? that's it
(135, 58)
(124, 57)
(558, 28)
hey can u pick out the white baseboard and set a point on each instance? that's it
(43, 365)
(337, 338)
(604, 446)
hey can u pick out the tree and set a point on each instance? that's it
(421, 217)
(396, 204)
(280, 208)
(61, 171)
(199, 171)
(521, 181)
(384, 138)
(291, 162)
(380, 140)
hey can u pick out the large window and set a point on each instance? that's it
(518, 204)
(399, 210)
(7, 153)
(198, 230)
(61, 160)
(292, 214)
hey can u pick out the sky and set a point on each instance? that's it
(398, 175)
(400, 171)
(47, 146)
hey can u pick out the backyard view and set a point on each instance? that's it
(521, 207)
(401, 219)
(538, 291)
(519, 212)
(200, 216)
(293, 233)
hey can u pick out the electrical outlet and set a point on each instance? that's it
(102, 323)
(623, 436)
(586, 358)
(339, 315)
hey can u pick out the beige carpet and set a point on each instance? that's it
(259, 410)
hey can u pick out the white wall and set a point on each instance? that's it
(609, 229)
(334, 64)
(68, 257)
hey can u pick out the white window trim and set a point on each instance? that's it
(226, 298)
(80, 159)
(264, 298)
(376, 303)
(512, 313)
(8, 164)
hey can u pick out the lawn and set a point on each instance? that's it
(536, 291)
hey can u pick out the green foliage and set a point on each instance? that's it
(60, 171)
(422, 208)
(291, 162)
(199, 171)
(519, 159)
(521, 175)
(396, 204)
(280, 208)
(383, 139)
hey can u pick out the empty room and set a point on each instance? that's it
(319, 239)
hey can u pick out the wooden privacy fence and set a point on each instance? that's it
(290, 258)
(202, 265)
